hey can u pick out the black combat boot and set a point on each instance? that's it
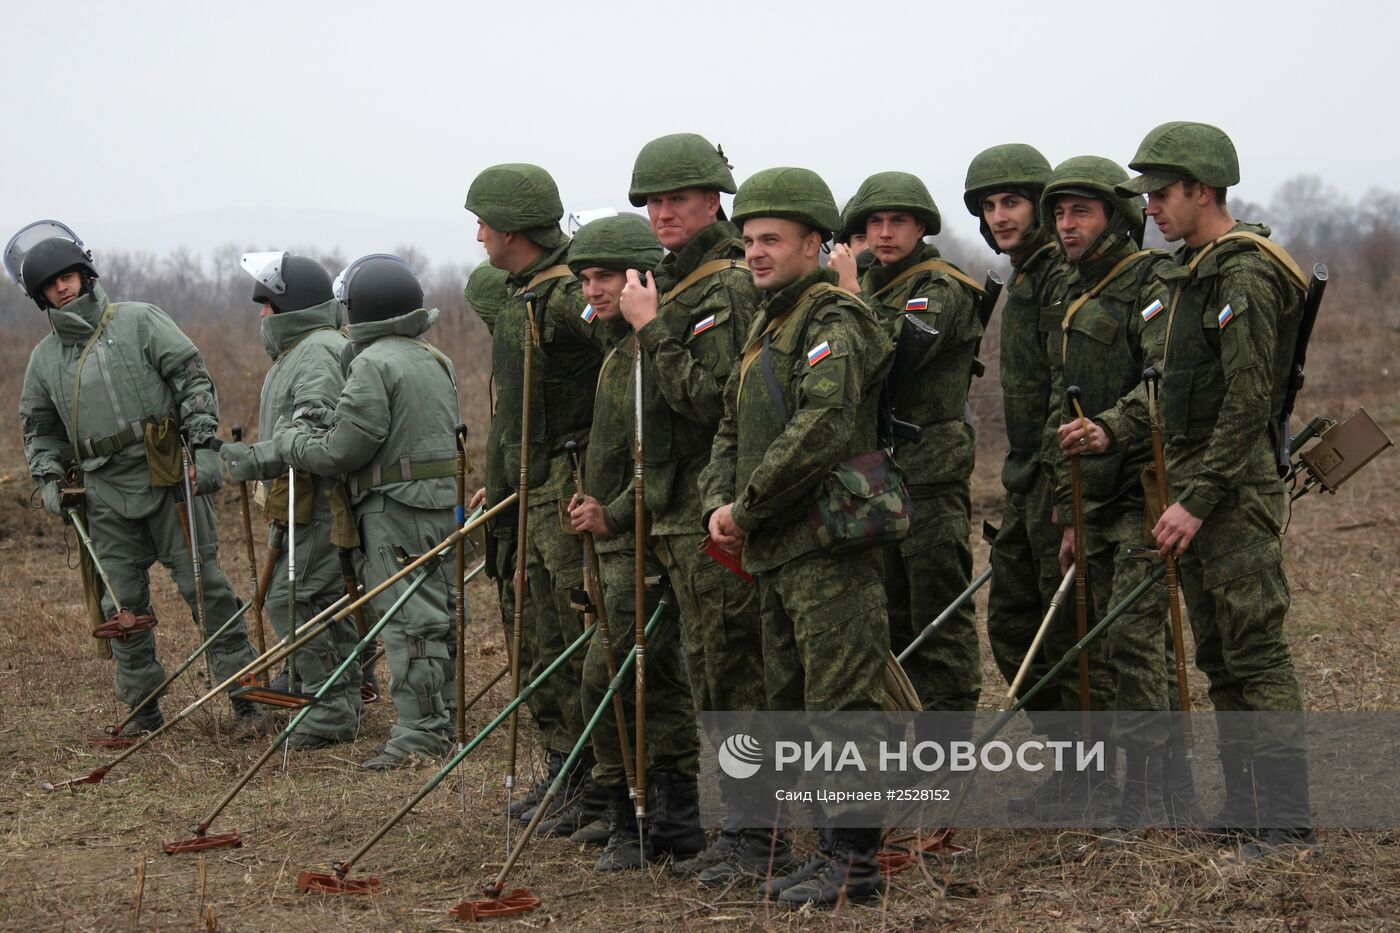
(1130, 816)
(852, 872)
(524, 808)
(1288, 834)
(595, 833)
(624, 848)
(578, 787)
(753, 853)
(804, 872)
(1239, 816)
(249, 721)
(1181, 808)
(673, 824)
(144, 722)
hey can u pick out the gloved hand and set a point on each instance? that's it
(208, 478)
(52, 491)
(241, 461)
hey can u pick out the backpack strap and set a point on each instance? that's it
(1124, 264)
(704, 271)
(933, 265)
(1276, 253)
(544, 275)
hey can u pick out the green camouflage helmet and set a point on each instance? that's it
(676, 162)
(515, 197)
(1181, 150)
(891, 191)
(1008, 167)
(486, 290)
(793, 193)
(622, 242)
(1098, 178)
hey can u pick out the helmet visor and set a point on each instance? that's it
(26, 239)
(578, 218)
(267, 269)
(341, 285)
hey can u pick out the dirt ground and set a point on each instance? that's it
(71, 860)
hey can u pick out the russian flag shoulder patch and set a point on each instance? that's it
(818, 353)
(1226, 315)
(1149, 312)
(588, 314)
(916, 304)
(703, 325)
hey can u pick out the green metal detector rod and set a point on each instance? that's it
(494, 888)
(292, 574)
(342, 868)
(946, 614)
(96, 562)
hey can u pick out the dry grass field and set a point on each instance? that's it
(71, 860)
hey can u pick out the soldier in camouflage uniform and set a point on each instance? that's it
(300, 328)
(1003, 189)
(392, 434)
(1225, 348)
(692, 321)
(1111, 293)
(602, 253)
(143, 374)
(825, 634)
(930, 568)
(518, 211)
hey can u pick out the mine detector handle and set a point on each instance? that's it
(991, 291)
(1317, 285)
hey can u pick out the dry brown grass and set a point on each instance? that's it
(70, 860)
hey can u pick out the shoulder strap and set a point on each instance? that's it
(1124, 264)
(756, 347)
(1019, 270)
(704, 271)
(107, 315)
(1268, 247)
(544, 275)
(933, 265)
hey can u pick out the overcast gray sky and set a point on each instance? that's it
(358, 126)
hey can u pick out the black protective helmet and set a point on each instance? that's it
(286, 282)
(42, 251)
(378, 287)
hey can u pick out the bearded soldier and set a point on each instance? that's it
(930, 568)
(1111, 295)
(601, 255)
(392, 434)
(1226, 347)
(518, 211)
(1003, 188)
(803, 399)
(300, 329)
(691, 322)
(109, 392)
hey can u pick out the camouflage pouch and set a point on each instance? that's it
(163, 453)
(863, 503)
(275, 506)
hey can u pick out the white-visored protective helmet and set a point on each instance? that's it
(31, 235)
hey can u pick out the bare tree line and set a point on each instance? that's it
(1359, 239)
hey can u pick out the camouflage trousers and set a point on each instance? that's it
(1237, 598)
(127, 548)
(719, 627)
(553, 567)
(825, 633)
(337, 715)
(924, 573)
(673, 744)
(417, 639)
(1136, 650)
(1025, 574)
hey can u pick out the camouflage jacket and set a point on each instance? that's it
(1100, 349)
(565, 374)
(690, 349)
(1028, 316)
(1225, 348)
(141, 370)
(830, 355)
(607, 474)
(934, 394)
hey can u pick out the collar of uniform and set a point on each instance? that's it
(412, 324)
(1085, 275)
(279, 331)
(781, 301)
(75, 321)
(551, 258)
(719, 240)
(881, 275)
(617, 330)
(1039, 239)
